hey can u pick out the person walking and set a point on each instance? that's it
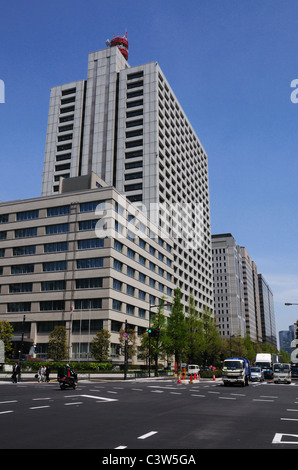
(41, 374)
(47, 372)
(15, 373)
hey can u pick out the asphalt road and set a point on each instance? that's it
(155, 414)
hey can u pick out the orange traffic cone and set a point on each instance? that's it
(195, 376)
(179, 380)
(190, 379)
(213, 376)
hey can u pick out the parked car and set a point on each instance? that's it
(256, 374)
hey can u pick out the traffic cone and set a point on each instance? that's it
(195, 376)
(190, 381)
(179, 380)
(213, 376)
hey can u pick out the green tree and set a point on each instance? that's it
(194, 333)
(212, 344)
(100, 346)
(158, 340)
(6, 335)
(177, 330)
(57, 347)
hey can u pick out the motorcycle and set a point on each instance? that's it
(67, 378)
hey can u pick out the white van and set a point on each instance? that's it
(282, 373)
(193, 369)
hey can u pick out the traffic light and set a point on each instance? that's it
(153, 333)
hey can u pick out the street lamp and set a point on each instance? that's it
(162, 304)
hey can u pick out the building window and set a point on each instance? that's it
(20, 287)
(51, 305)
(89, 263)
(19, 307)
(90, 243)
(26, 232)
(55, 247)
(58, 228)
(27, 215)
(89, 283)
(87, 304)
(53, 285)
(117, 305)
(55, 266)
(24, 250)
(22, 269)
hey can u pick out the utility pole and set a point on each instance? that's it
(125, 351)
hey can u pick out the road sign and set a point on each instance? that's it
(124, 336)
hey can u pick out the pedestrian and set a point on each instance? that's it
(41, 374)
(48, 370)
(15, 373)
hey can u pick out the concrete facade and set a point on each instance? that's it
(83, 259)
(126, 125)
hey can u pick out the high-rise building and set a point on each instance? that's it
(64, 263)
(267, 312)
(251, 297)
(229, 306)
(243, 301)
(125, 125)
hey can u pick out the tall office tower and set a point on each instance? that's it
(126, 125)
(251, 297)
(267, 312)
(229, 307)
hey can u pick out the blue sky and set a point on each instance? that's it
(230, 63)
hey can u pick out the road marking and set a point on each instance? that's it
(176, 393)
(278, 439)
(74, 403)
(289, 419)
(267, 396)
(36, 399)
(38, 407)
(137, 389)
(227, 398)
(92, 396)
(3, 412)
(121, 447)
(9, 401)
(259, 399)
(149, 434)
(194, 395)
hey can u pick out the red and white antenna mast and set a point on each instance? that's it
(121, 43)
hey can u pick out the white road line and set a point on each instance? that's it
(38, 407)
(121, 447)
(149, 434)
(4, 412)
(9, 401)
(74, 403)
(227, 398)
(201, 396)
(36, 399)
(259, 399)
(289, 419)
